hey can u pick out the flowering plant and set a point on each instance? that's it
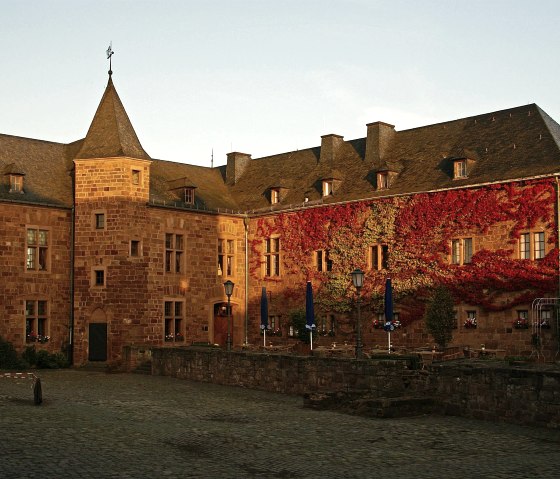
(169, 337)
(470, 323)
(544, 324)
(39, 338)
(179, 337)
(272, 332)
(377, 324)
(521, 323)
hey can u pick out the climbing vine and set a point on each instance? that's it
(418, 230)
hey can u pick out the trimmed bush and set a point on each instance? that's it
(9, 358)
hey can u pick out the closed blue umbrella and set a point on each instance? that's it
(389, 310)
(309, 311)
(264, 313)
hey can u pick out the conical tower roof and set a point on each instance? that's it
(111, 133)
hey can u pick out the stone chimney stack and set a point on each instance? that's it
(330, 144)
(236, 165)
(379, 136)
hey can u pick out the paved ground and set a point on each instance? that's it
(97, 425)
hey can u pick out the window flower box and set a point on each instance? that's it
(521, 323)
(470, 323)
(377, 324)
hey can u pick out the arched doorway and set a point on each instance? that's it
(97, 350)
(221, 323)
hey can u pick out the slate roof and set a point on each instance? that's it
(46, 167)
(510, 144)
(111, 133)
(211, 191)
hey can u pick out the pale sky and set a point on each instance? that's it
(270, 76)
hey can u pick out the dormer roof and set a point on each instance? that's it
(111, 133)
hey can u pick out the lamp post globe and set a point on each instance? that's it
(358, 281)
(228, 289)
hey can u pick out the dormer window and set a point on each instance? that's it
(274, 196)
(16, 183)
(460, 169)
(189, 196)
(136, 177)
(327, 187)
(382, 180)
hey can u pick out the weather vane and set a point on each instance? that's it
(110, 53)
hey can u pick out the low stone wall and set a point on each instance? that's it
(489, 391)
(483, 390)
(287, 374)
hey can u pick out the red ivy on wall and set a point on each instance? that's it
(418, 230)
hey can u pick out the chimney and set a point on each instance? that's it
(236, 165)
(330, 144)
(379, 136)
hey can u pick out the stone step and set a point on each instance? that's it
(143, 368)
(364, 404)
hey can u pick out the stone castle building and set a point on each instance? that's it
(103, 246)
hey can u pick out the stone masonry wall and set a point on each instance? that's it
(491, 392)
(131, 302)
(18, 285)
(285, 373)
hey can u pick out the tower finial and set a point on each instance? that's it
(110, 53)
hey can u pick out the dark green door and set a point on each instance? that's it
(97, 342)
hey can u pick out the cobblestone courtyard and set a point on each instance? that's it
(97, 425)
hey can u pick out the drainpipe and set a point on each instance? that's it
(246, 223)
(72, 253)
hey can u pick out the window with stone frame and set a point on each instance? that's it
(274, 196)
(16, 183)
(545, 318)
(99, 277)
(189, 196)
(136, 177)
(272, 257)
(461, 250)
(274, 323)
(328, 187)
(460, 169)
(378, 257)
(99, 219)
(525, 246)
(532, 245)
(36, 321)
(538, 242)
(135, 248)
(383, 180)
(226, 257)
(174, 329)
(323, 262)
(174, 253)
(37, 247)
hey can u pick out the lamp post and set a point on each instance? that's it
(358, 280)
(228, 288)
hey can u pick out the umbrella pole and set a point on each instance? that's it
(264, 337)
(389, 336)
(311, 338)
